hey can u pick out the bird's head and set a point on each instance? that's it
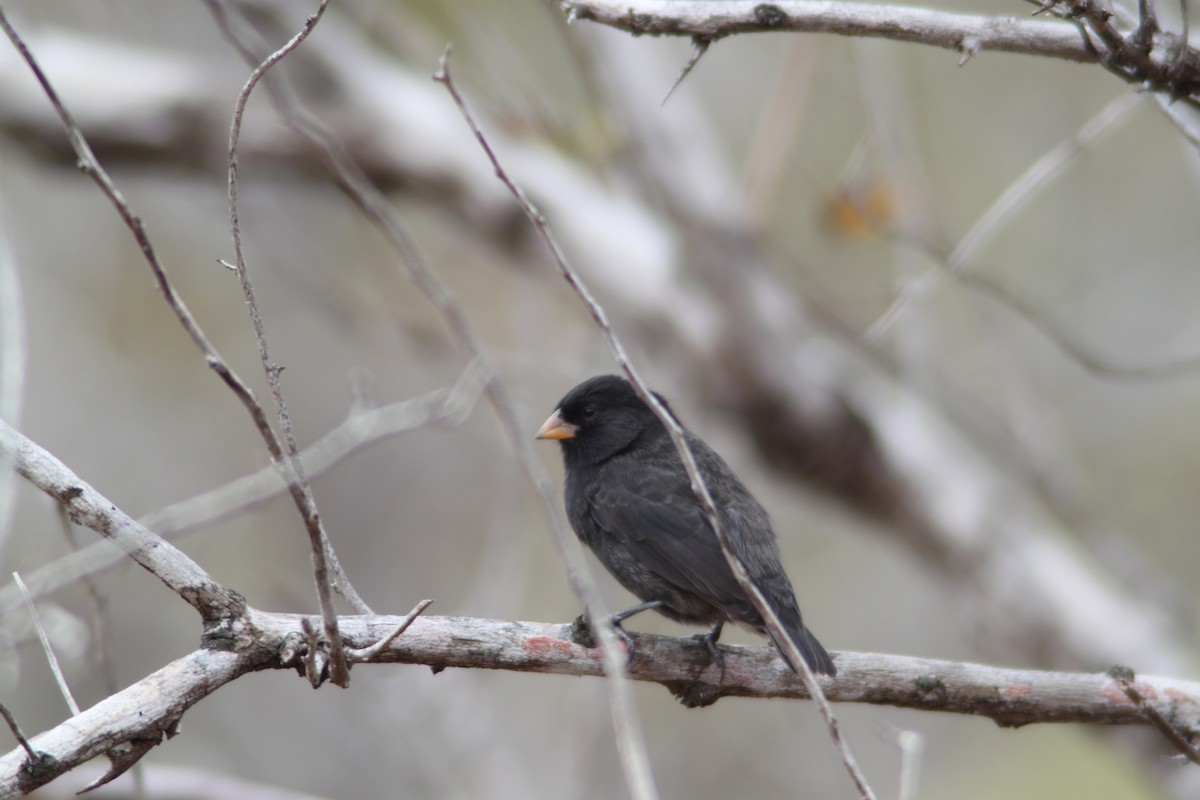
(599, 418)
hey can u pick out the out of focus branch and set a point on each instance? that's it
(362, 428)
(85, 506)
(151, 708)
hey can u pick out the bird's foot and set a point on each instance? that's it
(583, 634)
(627, 640)
(709, 640)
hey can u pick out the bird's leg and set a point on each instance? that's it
(616, 619)
(710, 642)
(619, 617)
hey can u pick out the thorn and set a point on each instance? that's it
(120, 759)
(699, 48)
(968, 47)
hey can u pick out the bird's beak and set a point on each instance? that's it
(557, 428)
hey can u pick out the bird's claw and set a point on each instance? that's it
(709, 640)
(583, 634)
(630, 644)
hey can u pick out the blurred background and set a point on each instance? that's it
(998, 466)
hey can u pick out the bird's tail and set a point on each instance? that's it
(815, 655)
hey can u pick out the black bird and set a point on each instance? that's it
(629, 499)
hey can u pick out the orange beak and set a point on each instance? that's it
(557, 428)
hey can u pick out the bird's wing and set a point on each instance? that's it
(655, 515)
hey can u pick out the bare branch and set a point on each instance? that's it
(319, 544)
(1163, 62)
(575, 281)
(964, 33)
(146, 711)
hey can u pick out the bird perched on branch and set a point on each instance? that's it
(629, 499)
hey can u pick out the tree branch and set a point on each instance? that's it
(965, 33)
(1163, 62)
(151, 708)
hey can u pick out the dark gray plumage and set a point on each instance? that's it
(629, 499)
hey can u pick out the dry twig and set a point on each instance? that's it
(320, 548)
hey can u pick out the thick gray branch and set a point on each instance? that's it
(966, 33)
(142, 714)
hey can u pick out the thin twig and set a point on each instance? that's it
(1183, 26)
(1148, 24)
(50, 656)
(319, 544)
(368, 653)
(314, 663)
(699, 487)
(1173, 734)
(16, 731)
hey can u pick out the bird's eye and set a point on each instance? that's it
(587, 412)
